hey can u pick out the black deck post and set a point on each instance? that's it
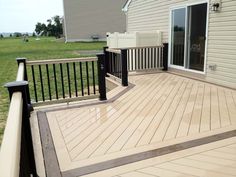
(165, 57)
(107, 64)
(124, 72)
(101, 76)
(27, 161)
(23, 60)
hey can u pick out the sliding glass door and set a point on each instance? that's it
(188, 34)
(178, 36)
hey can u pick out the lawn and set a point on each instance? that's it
(45, 48)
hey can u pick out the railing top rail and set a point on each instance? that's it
(58, 61)
(10, 148)
(20, 73)
(118, 49)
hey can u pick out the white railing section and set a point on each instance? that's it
(134, 39)
(145, 58)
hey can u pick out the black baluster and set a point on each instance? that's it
(55, 80)
(41, 81)
(93, 73)
(87, 73)
(75, 79)
(68, 77)
(49, 86)
(35, 87)
(62, 81)
(81, 79)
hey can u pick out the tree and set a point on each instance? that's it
(1, 36)
(50, 28)
(10, 35)
(33, 34)
(58, 29)
(41, 29)
(53, 28)
(17, 34)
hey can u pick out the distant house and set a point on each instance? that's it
(86, 20)
(200, 33)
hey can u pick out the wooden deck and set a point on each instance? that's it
(163, 113)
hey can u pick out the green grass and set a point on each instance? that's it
(46, 48)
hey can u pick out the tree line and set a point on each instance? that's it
(17, 34)
(52, 28)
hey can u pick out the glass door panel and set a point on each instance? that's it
(178, 36)
(196, 36)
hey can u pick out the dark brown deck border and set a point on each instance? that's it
(52, 165)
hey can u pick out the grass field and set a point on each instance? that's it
(45, 48)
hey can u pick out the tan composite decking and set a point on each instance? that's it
(160, 110)
(216, 159)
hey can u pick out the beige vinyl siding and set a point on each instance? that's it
(150, 15)
(221, 44)
(85, 18)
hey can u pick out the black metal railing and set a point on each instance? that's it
(63, 80)
(116, 64)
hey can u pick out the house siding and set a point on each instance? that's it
(85, 18)
(221, 43)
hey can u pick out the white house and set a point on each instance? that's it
(86, 20)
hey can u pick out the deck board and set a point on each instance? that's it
(197, 111)
(186, 118)
(206, 110)
(160, 109)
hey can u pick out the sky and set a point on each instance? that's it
(22, 15)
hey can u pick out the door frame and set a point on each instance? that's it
(186, 5)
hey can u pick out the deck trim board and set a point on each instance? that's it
(146, 155)
(49, 153)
